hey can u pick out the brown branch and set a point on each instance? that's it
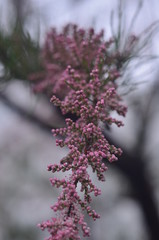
(133, 167)
(29, 116)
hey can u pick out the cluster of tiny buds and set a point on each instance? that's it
(79, 48)
(90, 94)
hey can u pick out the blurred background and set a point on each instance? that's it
(129, 204)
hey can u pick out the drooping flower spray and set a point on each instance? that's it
(80, 70)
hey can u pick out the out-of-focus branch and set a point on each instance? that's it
(145, 115)
(29, 116)
(132, 166)
(22, 9)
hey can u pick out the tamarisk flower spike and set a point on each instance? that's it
(80, 49)
(90, 94)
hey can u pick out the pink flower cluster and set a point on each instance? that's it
(90, 93)
(76, 47)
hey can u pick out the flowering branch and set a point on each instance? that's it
(90, 93)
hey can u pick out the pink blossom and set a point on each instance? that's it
(80, 70)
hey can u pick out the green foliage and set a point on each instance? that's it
(19, 54)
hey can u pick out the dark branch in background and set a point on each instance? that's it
(132, 166)
(20, 11)
(26, 114)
